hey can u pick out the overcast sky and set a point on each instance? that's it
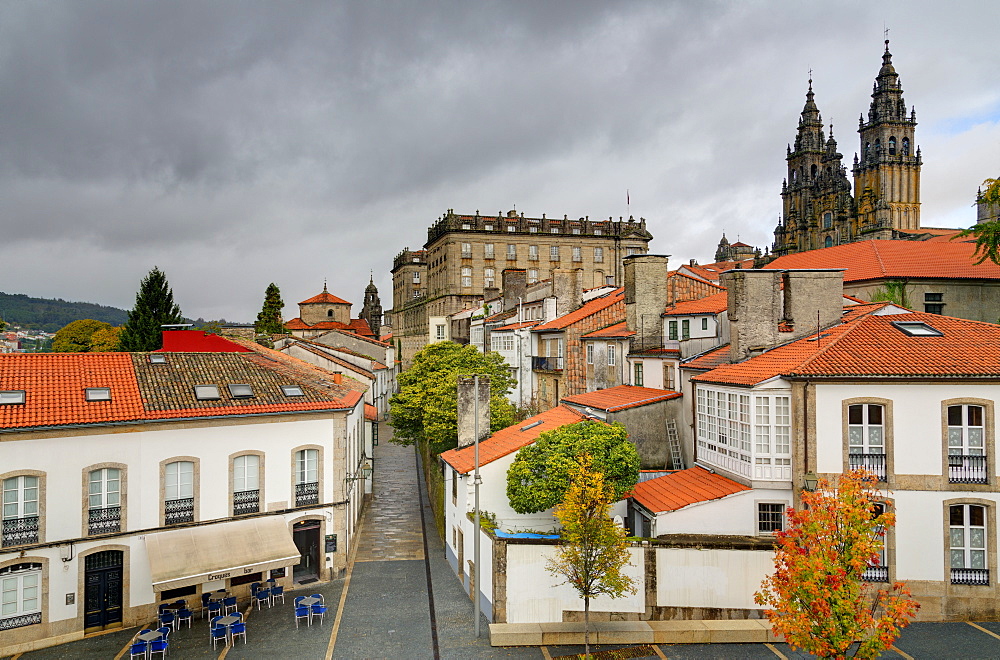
(233, 144)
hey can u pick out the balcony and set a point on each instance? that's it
(19, 531)
(104, 521)
(539, 363)
(874, 463)
(876, 574)
(307, 493)
(179, 511)
(964, 469)
(246, 501)
(974, 576)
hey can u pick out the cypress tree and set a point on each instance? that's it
(269, 319)
(154, 306)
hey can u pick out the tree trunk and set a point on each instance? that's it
(586, 626)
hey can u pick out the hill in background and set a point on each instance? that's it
(51, 315)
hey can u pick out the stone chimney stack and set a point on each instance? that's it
(567, 289)
(515, 285)
(467, 395)
(646, 298)
(798, 300)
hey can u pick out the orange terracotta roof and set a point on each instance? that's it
(682, 488)
(874, 260)
(713, 304)
(587, 309)
(621, 397)
(709, 360)
(501, 316)
(677, 273)
(866, 345)
(371, 412)
(358, 327)
(612, 331)
(510, 439)
(516, 326)
(325, 297)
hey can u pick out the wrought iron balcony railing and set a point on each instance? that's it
(874, 463)
(178, 511)
(246, 501)
(307, 493)
(19, 531)
(964, 469)
(974, 576)
(876, 574)
(104, 521)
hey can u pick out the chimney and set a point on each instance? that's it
(567, 289)
(808, 292)
(646, 298)
(467, 396)
(515, 285)
(338, 378)
(754, 310)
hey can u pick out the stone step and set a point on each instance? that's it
(735, 631)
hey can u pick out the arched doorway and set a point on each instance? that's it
(306, 537)
(103, 590)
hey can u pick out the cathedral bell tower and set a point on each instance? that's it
(816, 194)
(372, 309)
(887, 174)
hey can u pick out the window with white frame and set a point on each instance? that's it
(476, 336)
(611, 355)
(704, 323)
(878, 570)
(770, 517)
(502, 341)
(246, 484)
(306, 477)
(590, 353)
(416, 277)
(104, 511)
(532, 230)
(466, 250)
(598, 255)
(967, 544)
(966, 430)
(511, 251)
(439, 331)
(466, 276)
(724, 432)
(178, 492)
(577, 254)
(866, 438)
(20, 595)
(532, 253)
(532, 275)
(20, 510)
(488, 251)
(489, 276)
(554, 253)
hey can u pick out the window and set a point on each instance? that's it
(20, 510)
(466, 225)
(306, 477)
(502, 341)
(966, 445)
(576, 231)
(178, 492)
(207, 392)
(104, 511)
(892, 145)
(668, 377)
(416, 277)
(532, 276)
(827, 220)
(97, 394)
(240, 390)
(917, 329)
(637, 378)
(532, 253)
(466, 250)
(828, 242)
(590, 353)
(672, 329)
(686, 329)
(878, 569)
(770, 517)
(611, 355)
(577, 254)
(466, 276)
(511, 227)
(476, 336)
(157, 358)
(11, 397)
(906, 146)
(554, 253)
(439, 332)
(609, 280)
(454, 486)
(704, 323)
(488, 251)
(967, 543)
(292, 390)
(511, 251)
(632, 250)
(20, 595)
(866, 438)
(532, 230)
(246, 484)
(488, 277)
(488, 227)
(598, 255)
(598, 232)
(934, 303)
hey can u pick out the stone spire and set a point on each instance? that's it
(371, 311)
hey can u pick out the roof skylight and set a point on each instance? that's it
(292, 390)
(240, 390)
(207, 392)
(11, 397)
(157, 358)
(97, 394)
(917, 329)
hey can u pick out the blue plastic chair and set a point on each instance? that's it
(237, 629)
(253, 589)
(215, 608)
(165, 631)
(168, 619)
(319, 610)
(183, 615)
(321, 600)
(204, 603)
(263, 596)
(302, 612)
(215, 622)
(158, 646)
(298, 599)
(276, 593)
(137, 650)
(230, 604)
(217, 633)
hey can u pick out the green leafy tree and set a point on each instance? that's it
(987, 233)
(541, 473)
(816, 597)
(269, 319)
(426, 407)
(105, 340)
(592, 549)
(154, 307)
(894, 291)
(77, 337)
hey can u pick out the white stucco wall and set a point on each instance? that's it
(689, 577)
(735, 514)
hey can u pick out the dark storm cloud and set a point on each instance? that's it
(240, 143)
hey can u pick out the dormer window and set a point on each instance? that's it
(207, 392)
(292, 390)
(917, 329)
(97, 394)
(157, 358)
(11, 397)
(240, 391)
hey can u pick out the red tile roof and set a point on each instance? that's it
(874, 260)
(713, 304)
(709, 360)
(510, 439)
(621, 397)
(678, 273)
(358, 327)
(325, 297)
(682, 488)
(196, 341)
(516, 326)
(587, 309)
(611, 332)
(371, 412)
(866, 345)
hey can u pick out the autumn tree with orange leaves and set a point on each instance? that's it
(816, 597)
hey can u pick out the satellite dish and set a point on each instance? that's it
(619, 521)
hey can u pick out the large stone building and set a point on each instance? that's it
(465, 254)
(818, 207)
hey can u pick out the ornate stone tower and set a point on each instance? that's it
(887, 174)
(372, 309)
(816, 194)
(722, 252)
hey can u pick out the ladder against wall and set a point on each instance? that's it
(674, 444)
